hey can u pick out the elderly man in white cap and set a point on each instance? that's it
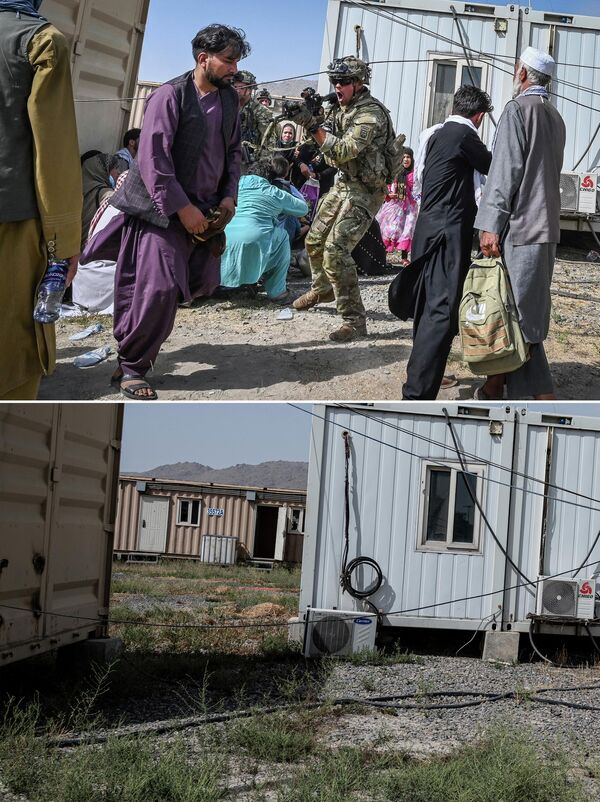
(519, 215)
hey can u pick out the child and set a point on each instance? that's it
(398, 215)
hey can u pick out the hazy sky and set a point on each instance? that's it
(286, 37)
(213, 434)
(221, 435)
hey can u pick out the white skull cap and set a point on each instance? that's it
(538, 60)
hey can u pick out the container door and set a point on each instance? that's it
(26, 454)
(154, 521)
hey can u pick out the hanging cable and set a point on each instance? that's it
(468, 60)
(475, 501)
(588, 555)
(348, 568)
(534, 647)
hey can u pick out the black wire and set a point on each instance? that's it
(420, 29)
(475, 501)
(534, 647)
(469, 455)
(588, 554)
(440, 462)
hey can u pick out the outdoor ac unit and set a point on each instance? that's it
(338, 632)
(578, 192)
(566, 598)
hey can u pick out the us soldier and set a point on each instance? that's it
(257, 122)
(264, 98)
(364, 129)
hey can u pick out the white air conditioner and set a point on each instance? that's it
(338, 632)
(578, 192)
(566, 598)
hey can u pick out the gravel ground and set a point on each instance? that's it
(223, 349)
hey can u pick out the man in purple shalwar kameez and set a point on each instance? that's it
(188, 163)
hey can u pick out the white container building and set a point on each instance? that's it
(536, 477)
(421, 51)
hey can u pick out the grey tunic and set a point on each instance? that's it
(521, 202)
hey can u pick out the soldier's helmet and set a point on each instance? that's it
(244, 77)
(349, 67)
(264, 94)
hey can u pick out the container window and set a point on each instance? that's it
(447, 74)
(188, 512)
(450, 518)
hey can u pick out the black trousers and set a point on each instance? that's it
(436, 315)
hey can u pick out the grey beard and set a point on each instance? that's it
(517, 88)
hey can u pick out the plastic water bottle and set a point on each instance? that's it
(51, 292)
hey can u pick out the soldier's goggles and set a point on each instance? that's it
(334, 80)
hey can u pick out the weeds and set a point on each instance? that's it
(280, 738)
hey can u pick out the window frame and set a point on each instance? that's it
(461, 62)
(190, 501)
(448, 546)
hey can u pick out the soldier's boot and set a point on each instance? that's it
(312, 298)
(349, 331)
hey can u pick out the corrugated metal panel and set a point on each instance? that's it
(218, 549)
(141, 95)
(58, 478)
(403, 86)
(238, 518)
(106, 40)
(386, 496)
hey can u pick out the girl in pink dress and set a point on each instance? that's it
(398, 215)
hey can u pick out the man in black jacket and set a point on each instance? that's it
(443, 238)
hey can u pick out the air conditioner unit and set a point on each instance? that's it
(578, 192)
(566, 598)
(338, 632)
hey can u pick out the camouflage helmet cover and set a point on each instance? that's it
(245, 77)
(264, 93)
(350, 67)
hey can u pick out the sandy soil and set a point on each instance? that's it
(238, 349)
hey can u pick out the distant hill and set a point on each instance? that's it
(289, 88)
(280, 474)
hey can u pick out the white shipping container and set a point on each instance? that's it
(410, 512)
(418, 62)
(58, 489)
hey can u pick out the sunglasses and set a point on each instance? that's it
(341, 81)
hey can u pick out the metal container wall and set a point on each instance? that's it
(569, 455)
(58, 470)
(142, 92)
(218, 550)
(106, 43)
(403, 86)
(238, 518)
(389, 450)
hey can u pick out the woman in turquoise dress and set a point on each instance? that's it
(257, 248)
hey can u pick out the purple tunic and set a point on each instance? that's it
(158, 268)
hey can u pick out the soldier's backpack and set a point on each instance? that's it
(491, 337)
(394, 149)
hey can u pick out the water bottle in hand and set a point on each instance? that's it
(51, 292)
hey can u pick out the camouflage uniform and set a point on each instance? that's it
(344, 215)
(256, 119)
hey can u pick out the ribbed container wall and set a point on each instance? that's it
(389, 453)
(572, 518)
(58, 471)
(106, 38)
(142, 92)
(221, 514)
(401, 39)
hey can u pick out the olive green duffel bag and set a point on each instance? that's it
(490, 333)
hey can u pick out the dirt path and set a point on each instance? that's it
(239, 350)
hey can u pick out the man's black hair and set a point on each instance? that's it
(263, 169)
(133, 133)
(217, 38)
(281, 166)
(470, 100)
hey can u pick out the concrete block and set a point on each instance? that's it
(295, 630)
(501, 646)
(103, 650)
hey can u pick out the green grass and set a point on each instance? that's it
(280, 577)
(279, 738)
(122, 770)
